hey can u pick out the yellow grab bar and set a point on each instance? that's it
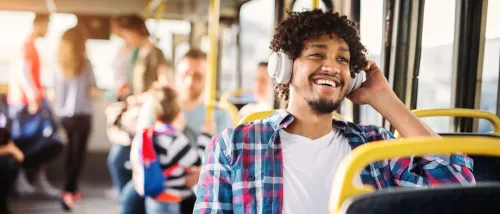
(343, 183)
(232, 110)
(262, 114)
(210, 81)
(459, 112)
(238, 92)
(255, 116)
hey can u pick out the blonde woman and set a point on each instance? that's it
(74, 86)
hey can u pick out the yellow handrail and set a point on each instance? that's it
(315, 4)
(255, 116)
(210, 81)
(458, 112)
(343, 185)
(229, 107)
(238, 92)
(263, 114)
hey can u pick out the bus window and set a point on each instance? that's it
(301, 5)
(12, 39)
(256, 34)
(164, 29)
(436, 63)
(489, 90)
(181, 49)
(371, 22)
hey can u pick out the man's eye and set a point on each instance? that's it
(317, 55)
(343, 59)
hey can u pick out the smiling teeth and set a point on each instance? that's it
(327, 82)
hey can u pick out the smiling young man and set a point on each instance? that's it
(285, 163)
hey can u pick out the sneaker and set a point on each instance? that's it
(23, 186)
(77, 196)
(44, 187)
(67, 201)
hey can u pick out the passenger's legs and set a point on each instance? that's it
(78, 130)
(117, 157)
(132, 202)
(8, 172)
(187, 205)
(39, 162)
(153, 207)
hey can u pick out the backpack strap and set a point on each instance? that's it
(148, 151)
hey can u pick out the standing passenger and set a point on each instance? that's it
(74, 86)
(26, 94)
(120, 149)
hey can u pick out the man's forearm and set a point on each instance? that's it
(400, 116)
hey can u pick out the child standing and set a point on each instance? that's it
(173, 150)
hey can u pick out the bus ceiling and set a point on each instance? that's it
(189, 10)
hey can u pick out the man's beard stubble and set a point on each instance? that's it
(321, 106)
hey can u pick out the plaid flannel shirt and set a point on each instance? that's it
(242, 169)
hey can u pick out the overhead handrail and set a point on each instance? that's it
(343, 184)
(458, 112)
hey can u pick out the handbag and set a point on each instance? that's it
(33, 132)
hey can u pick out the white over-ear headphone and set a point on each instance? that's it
(280, 68)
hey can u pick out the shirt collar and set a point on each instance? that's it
(281, 119)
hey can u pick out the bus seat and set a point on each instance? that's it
(482, 198)
(459, 112)
(486, 168)
(345, 197)
(233, 111)
(263, 114)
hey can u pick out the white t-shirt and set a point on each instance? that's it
(309, 168)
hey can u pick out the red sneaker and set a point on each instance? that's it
(67, 201)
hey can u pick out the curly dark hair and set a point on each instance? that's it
(301, 26)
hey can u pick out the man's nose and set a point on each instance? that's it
(330, 68)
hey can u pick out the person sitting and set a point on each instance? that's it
(285, 163)
(262, 90)
(10, 159)
(173, 149)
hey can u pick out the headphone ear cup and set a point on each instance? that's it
(273, 65)
(356, 82)
(280, 67)
(286, 69)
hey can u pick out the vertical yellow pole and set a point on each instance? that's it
(314, 4)
(211, 77)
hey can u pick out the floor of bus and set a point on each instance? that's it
(95, 183)
(94, 201)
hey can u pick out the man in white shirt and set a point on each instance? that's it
(285, 162)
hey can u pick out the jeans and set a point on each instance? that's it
(117, 157)
(77, 129)
(132, 202)
(154, 207)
